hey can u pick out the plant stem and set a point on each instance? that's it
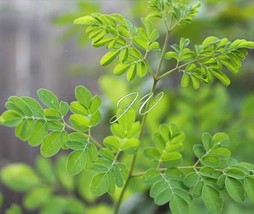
(155, 81)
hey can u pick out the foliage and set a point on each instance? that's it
(112, 164)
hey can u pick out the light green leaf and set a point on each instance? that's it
(221, 139)
(48, 98)
(83, 95)
(171, 55)
(37, 198)
(76, 162)
(10, 118)
(185, 80)
(85, 20)
(53, 143)
(21, 105)
(35, 107)
(95, 119)
(212, 199)
(141, 42)
(235, 189)
(39, 133)
(131, 73)
(19, 177)
(95, 104)
(222, 77)
(109, 57)
(178, 205)
(80, 122)
(44, 169)
(63, 108)
(25, 129)
(77, 108)
(121, 68)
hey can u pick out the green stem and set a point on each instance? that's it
(155, 81)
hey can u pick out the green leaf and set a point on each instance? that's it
(95, 104)
(76, 162)
(211, 161)
(48, 98)
(19, 177)
(14, 209)
(10, 118)
(140, 42)
(77, 108)
(44, 169)
(53, 143)
(207, 141)
(197, 189)
(80, 122)
(185, 80)
(121, 68)
(178, 205)
(21, 105)
(25, 129)
(199, 150)
(63, 108)
(37, 198)
(221, 139)
(40, 131)
(191, 179)
(235, 189)
(99, 184)
(83, 95)
(35, 107)
(95, 119)
(109, 57)
(222, 77)
(152, 153)
(131, 73)
(249, 188)
(212, 199)
(85, 20)
(151, 176)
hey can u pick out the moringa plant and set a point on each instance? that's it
(140, 53)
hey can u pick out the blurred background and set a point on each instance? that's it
(41, 48)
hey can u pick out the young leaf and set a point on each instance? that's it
(109, 57)
(99, 184)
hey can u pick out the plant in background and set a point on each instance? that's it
(137, 53)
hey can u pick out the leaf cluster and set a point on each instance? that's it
(214, 173)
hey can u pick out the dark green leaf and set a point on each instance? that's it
(249, 188)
